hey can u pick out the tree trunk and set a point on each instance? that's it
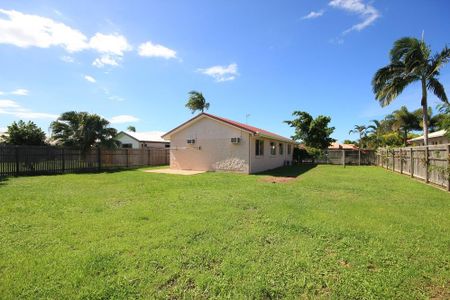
(425, 111)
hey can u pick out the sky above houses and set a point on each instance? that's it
(134, 62)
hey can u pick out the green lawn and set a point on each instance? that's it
(334, 232)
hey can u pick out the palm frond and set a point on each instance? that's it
(437, 88)
(402, 47)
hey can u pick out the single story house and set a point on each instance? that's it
(339, 146)
(211, 143)
(434, 138)
(137, 140)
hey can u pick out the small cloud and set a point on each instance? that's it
(90, 78)
(114, 44)
(106, 59)
(67, 59)
(313, 15)
(116, 98)
(221, 73)
(11, 107)
(148, 49)
(123, 119)
(2, 93)
(366, 12)
(20, 92)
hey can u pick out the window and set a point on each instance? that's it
(280, 148)
(167, 145)
(273, 148)
(289, 149)
(127, 146)
(259, 148)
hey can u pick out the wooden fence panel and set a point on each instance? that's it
(35, 160)
(428, 163)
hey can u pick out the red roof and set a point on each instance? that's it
(251, 129)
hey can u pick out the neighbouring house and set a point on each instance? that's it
(137, 140)
(339, 146)
(434, 138)
(211, 143)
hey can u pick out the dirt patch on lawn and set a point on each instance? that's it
(276, 179)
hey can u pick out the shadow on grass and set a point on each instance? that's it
(288, 171)
(3, 180)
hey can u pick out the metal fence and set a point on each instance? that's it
(428, 163)
(342, 157)
(36, 160)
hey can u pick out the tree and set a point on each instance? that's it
(83, 130)
(404, 122)
(411, 61)
(314, 133)
(361, 130)
(349, 142)
(22, 133)
(131, 128)
(196, 102)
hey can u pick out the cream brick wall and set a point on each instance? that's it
(268, 161)
(213, 150)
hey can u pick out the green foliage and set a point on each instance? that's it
(314, 133)
(83, 130)
(411, 61)
(21, 133)
(349, 142)
(197, 102)
(131, 128)
(333, 233)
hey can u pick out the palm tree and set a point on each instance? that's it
(131, 128)
(196, 102)
(411, 61)
(404, 122)
(361, 130)
(375, 130)
(83, 130)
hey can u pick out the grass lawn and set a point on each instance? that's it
(334, 232)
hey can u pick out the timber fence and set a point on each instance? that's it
(38, 160)
(428, 163)
(342, 157)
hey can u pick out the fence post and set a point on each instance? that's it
(393, 160)
(426, 164)
(148, 157)
(448, 167)
(411, 162)
(343, 157)
(127, 153)
(16, 149)
(63, 161)
(359, 157)
(99, 159)
(401, 161)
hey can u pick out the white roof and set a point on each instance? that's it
(431, 135)
(146, 136)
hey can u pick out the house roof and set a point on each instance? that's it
(431, 135)
(145, 136)
(336, 145)
(251, 129)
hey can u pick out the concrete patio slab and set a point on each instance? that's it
(174, 171)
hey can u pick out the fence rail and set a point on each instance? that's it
(37, 160)
(428, 163)
(343, 157)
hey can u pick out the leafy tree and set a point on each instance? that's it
(444, 122)
(411, 61)
(83, 130)
(349, 142)
(404, 122)
(314, 133)
(22, 133)
(131, 128)
(197, 102)
(362, 131)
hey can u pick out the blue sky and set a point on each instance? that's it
(134, 62)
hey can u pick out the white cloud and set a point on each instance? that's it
(221, 73)
(11, 107)
(2, 93)
(67, 59)
(313, 15)
(20, 92)
(123, 119)
(366, 12)
(110, 43)
(107, 59)
(116, 98)
(90, 78)
(24, 31)
(148, 49)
